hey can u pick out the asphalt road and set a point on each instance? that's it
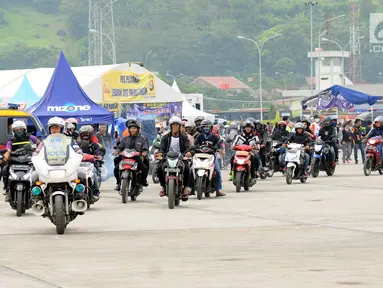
(325, 233)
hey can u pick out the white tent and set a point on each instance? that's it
(89, 77)
(190, 112)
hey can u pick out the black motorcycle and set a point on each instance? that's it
(20, 179)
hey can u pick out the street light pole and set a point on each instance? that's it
(174, 78)
(342, 50)
(319, 38)
(312, 4)
(260, 67)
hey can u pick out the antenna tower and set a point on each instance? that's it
(355, 51)
(101, 32)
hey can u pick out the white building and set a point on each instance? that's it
(195, 99)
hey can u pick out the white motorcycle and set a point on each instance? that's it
(294, 163)
(203, 171)
(58, 193)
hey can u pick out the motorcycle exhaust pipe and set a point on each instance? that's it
(79, 205)
(38, 208)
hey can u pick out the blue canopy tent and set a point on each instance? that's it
(25, 94)
(339, 97)
(65, 98)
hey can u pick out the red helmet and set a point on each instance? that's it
(282, 123)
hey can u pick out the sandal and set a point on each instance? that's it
(162, 192)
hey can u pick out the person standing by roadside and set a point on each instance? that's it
(346, 144)
(357, 140)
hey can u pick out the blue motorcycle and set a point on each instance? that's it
(322, 159)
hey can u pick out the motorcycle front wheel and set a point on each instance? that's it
(200, 186)
(238, 181)
(19, 203)
(315, 168)
(171, 191)
(60, 220)
(125, 185)
(289, 175)
(367, 166)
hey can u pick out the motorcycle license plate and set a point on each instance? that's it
(20, 167)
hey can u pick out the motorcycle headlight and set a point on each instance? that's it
(318, 148)
(172, 163)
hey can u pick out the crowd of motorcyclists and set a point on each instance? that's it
(187, 137)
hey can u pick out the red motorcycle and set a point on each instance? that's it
(373, 160)
(130, 177)
(241, 169)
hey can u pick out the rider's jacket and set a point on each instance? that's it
(15, 143)
(262, 135)
(328, 133)
(245, 139)
(166, 141)
(92, 148)
(299, 138)
(138, 143)
(374, 132)
(279, 135)
(208, 139)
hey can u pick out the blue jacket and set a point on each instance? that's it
(374, 132)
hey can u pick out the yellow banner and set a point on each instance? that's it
(112, 107)
(127, 86)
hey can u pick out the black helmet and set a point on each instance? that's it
(207, 124)
(198, 119)
(133, 123)
(327, 121)
(259, 123)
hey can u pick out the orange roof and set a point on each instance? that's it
(223, 82)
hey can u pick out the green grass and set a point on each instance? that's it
(24, 24)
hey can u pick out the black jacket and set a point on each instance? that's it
(166, 139)
(213, 140)
(328, 133)
(303, 138)
(138, 143)
(347, 136)
(280, 136)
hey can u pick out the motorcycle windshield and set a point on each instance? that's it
(57, 149)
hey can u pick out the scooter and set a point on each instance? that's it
(203, 171)
(130, 176)
(373, 160)
(322, 159)
(241, 173)
(294, 163)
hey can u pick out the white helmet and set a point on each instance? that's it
(175, 119)
(56, 121)
(19, 125)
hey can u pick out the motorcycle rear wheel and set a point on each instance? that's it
(367, 166)
(60, 220)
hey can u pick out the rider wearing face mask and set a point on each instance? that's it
(315, 126)
(207, 137)
(377, 131)
(328, 133)
(19, 140)
(281, 133)
(89, 147)
(300, 137)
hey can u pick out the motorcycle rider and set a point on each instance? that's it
(300, 137)
(377, 131)
(190, 129)
(184, 132)
(177, 142)
(264, 137)
(89, 147)
(197, 121)
(328, 133)
(71, 126)
(20, 139)
(137, 142)
(281, 135)
(314, 127)
(248, 138)
(207, 137)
